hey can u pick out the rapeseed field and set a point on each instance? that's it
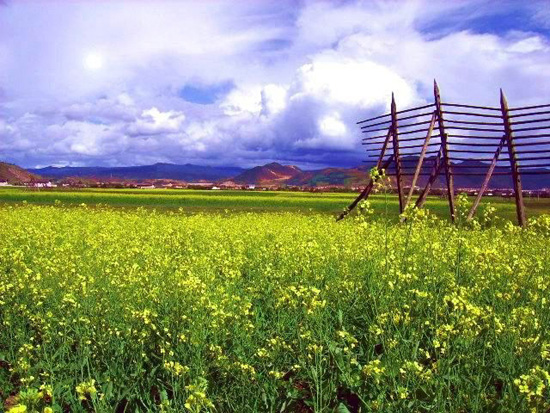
(105, 309)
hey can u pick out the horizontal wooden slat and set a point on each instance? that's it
(465, 122)
(458, 158)
(364, 129)
(519, 115)
(414, 116)
(365, 142)
(523, 122)
(385, 122)
(530, 107)
(418, 146)
(375, 137)
(529, 129)
(482, 115)
(469, 151)
(493, 138)
(475, 129)
(534, 151)
(537, 158)
(481, 174)
(460, 105)
(547, 165)
(375, 118)
(478, 166)
(531, 144)
(398, 112)
(475, 144)
(520, 137)
(423, 130)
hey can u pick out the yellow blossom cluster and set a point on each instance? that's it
(105, 309)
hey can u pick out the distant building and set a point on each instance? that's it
(145, 186)
(40, 183)
(3, 183)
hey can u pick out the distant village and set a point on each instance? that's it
(172, 184)
(231, 185)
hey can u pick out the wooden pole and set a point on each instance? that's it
(445, 151)
(421, 160)
(396, 156)
(516, 177)
(433, 176)
(487, 179)
(365, 193)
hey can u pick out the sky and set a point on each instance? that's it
(243, 83)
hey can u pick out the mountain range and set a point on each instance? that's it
(271, 174)
(185, 172)
(472, 176)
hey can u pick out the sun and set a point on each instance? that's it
(93, 61)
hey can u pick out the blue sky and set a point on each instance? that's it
(248, 82)
(205, 94)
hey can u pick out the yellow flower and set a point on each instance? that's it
(374, 370)
(175, 368)
(534, 383)
(86, 389)
(20, 408)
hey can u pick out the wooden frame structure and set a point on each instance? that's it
(441, 138)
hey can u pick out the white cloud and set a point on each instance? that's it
(335, 78)
(107, 110)
(125, 99)
(273, 99)
(84, 138)
(331, 125)
(244, 100)
(155, 122)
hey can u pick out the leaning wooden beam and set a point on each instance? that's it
(520, 207)
(395, 133)
(487, 179)
(420, 160)
(445, 151)
(365, 192)
(433, 176)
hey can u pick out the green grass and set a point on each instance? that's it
(258, 201)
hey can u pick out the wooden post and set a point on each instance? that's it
(421, 160)
(365, 193)
(445, 151)
(433, 176)
(516, 177)
(487, 179)
(396, 156)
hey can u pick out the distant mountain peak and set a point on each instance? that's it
(271, 173)
(15, 174)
